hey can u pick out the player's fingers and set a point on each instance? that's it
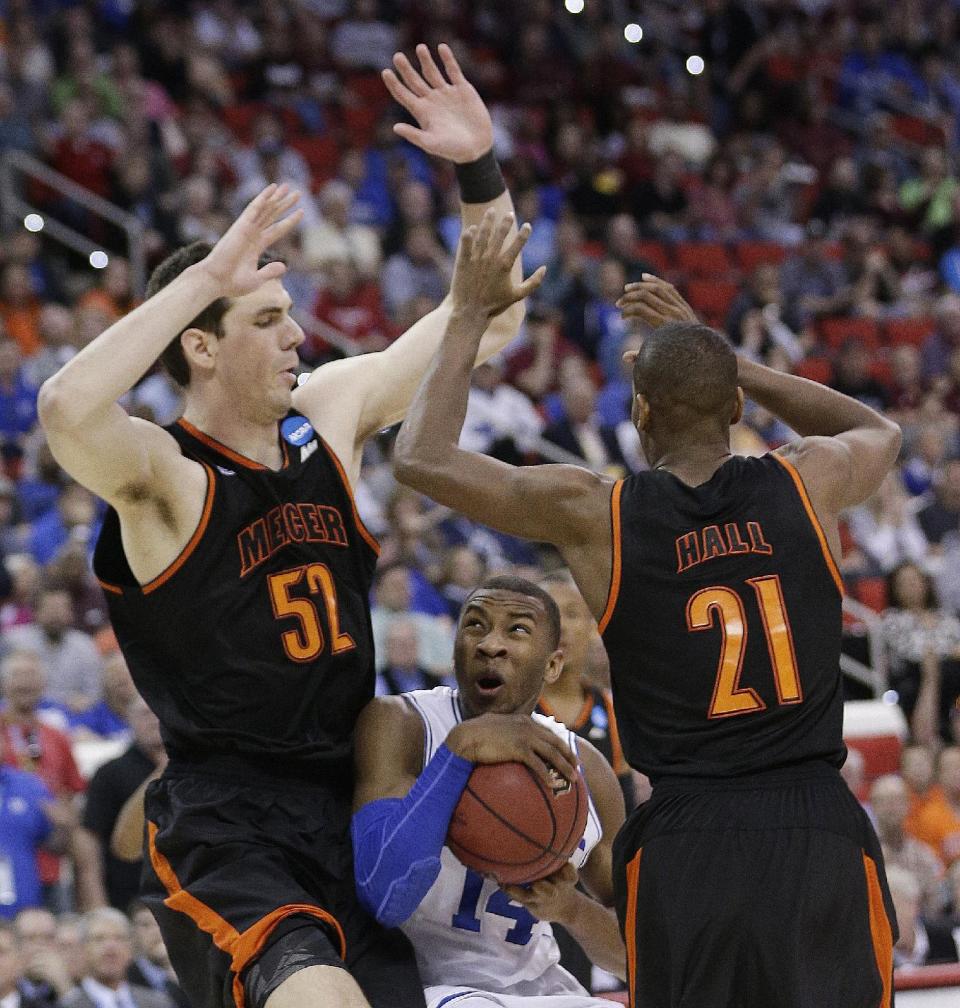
(281, 206)
(409, 76)
(468, 239)
(501, 229)
(558, 756)
(516, 243)
(400, 94)
(450, 64)
(484, 232)
(271, 271)
(281, 229)
(429, 68)
(256, 206)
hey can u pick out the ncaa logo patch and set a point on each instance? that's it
(296, 430)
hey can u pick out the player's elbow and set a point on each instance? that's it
(893, 439)
(52, 404)
(415, 464)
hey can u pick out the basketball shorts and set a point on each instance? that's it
(251, 879)
(763, 891)
(468, 997)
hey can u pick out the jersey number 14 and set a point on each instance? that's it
(723, 607)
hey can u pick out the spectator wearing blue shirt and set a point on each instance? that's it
(107, 717)
(25, 824)
(18, 398)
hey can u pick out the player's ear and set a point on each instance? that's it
(641, 411)
(738, 408)
(554, 668)
(199, 348)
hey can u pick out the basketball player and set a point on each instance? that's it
(751, 877)
(479, 945)
(238, 573)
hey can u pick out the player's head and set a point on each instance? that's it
(577, 625)
(684, 387)
(507, 646)
(247, 343)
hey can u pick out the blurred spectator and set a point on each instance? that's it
(890, 801)
(579, 433)
(55, 328)
(712, 212)
(70, 945)
(939, 347)
(842, 197)
(113, 295)
(24, 571)
(886, 529)
(942, 515)
(46, 976)
(937, 823)
(20, 308)
(337, 236)
(604, 326)
(151, 964)
(660, 203)
(920, 943)
(70, 658)
(351, 307)
(109, 789)
(812, 283)
(423, 267)
(462, 571)
(534, 357)
(73, 520)
(362, 40)
(18, 395)
(29, 820)
(11, 966)
(500, 420)
(928, 197)
(852, 376)
(108, 944)
(402, 671)
(759, 319)
(392, 605)
(107, 718)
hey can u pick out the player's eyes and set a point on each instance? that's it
(521, 626)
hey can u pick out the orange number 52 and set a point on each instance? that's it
(306, 642)
(710, 607)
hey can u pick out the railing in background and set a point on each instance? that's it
(17, 165)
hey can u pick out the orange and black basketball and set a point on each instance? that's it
(510, 824)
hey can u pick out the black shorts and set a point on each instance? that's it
(235, 865)
(763, 891)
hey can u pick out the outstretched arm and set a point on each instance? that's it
(565, 505)
(453, 123)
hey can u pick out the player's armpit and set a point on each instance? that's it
(388, 752)
(597, 873)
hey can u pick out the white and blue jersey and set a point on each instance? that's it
(466, 931)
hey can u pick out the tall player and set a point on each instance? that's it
(478, 945)
(752, 877)
(238, 571)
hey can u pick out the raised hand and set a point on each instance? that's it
(453, 121)
(482, 280)
(654, 301)
(232, 263)
(508, 738)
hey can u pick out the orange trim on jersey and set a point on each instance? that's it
(218, 446)
(618, 762)
(814, 521)
(242, 947)
(194, 539)
(112, 588)
(880, 930)
(630, 926)
(615, 571)
(581, 718)
(371, 542)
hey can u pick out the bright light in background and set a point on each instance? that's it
(574, 6)
(633, 33)
(33, 222)
(695, 65)
(98, 259)
(891, 697)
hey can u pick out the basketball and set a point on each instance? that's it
(513, 826)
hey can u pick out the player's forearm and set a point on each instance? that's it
(429, 436)
(809, 408)
(596, 929)
(116, 360)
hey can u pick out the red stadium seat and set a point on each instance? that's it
(837, 331)
(880, 370)
(711, 297)
(655, 253)
(918, 131)
(750, 255)
(704, 259)
(817, 369)
(912, 330)
(872, 592)
(321, 154)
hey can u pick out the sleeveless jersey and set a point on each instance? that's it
(723, 623)
(256, 641)
(466, 932)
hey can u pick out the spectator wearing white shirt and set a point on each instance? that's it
(335, 236)
(500, 419)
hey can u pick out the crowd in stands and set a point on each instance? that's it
(803, 193)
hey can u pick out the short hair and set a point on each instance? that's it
(522, 586)
(209, 320)
(688, 373)
(929, 587)
(107, 914)
(7, 928)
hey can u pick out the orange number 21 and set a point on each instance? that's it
(723, 607)
(306, 642)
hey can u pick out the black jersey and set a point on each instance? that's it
(256, 641)
(723, 623)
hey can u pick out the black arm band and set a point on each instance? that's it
(480, 181)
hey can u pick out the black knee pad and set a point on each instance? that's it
(297, 942)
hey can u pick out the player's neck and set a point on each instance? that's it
(565, 697)
(255, 439)
(692, 463)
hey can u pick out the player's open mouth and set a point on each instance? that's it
(488, 684)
